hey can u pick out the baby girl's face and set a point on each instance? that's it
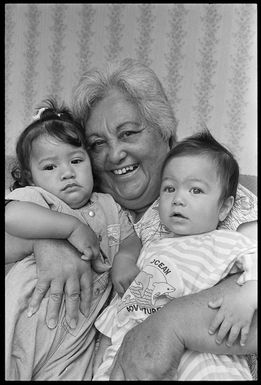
(62, 169)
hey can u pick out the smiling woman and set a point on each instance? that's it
(124, 151)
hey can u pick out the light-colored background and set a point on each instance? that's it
(204, 54)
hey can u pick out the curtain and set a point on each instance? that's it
(204, 54)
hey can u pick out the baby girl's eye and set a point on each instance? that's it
(48, 167)
(76, 161)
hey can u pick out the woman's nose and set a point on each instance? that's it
(116, 153)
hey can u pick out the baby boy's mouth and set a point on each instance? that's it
(125, 170)
(178, 215)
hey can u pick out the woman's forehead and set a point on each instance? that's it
(111, 112)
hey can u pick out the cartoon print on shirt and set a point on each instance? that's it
(150, 290)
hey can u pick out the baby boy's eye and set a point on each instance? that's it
(169, 189)
(196, 190)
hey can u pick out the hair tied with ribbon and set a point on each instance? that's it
(39, 113)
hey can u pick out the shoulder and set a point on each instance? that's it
(107, 205)
(231, 237)
(34, 194)
(106, 202)
(22, 193)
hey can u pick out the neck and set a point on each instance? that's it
(138, 213)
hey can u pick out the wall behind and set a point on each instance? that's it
(204, 54)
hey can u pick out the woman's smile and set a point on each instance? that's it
(126, 170)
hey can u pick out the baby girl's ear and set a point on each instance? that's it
(28, 177)
(225, 208)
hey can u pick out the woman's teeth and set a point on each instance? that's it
(124, 170)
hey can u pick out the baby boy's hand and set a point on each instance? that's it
(123, 276)
(234, 316)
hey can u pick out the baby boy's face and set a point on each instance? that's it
(189, 195)
(62, 169)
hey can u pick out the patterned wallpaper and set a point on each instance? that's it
(204, 54)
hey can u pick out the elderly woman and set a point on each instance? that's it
(130, 127)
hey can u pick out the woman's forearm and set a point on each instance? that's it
(153, 349)
(17, 248)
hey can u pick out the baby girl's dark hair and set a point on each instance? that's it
(53, 120)
(203, 143)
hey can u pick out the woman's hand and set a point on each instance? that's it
(60, 268)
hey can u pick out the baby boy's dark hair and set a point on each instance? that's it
(203, 143)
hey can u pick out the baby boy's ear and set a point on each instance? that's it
(225, 208)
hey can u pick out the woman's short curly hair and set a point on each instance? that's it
(138, 83)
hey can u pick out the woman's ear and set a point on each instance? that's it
(225, 208)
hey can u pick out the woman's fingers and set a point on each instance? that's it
(54, 303)
(72, 301)
(86, 285)
(40, 290)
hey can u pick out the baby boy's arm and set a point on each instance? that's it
(124, 267)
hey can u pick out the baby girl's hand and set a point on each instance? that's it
(84, 239)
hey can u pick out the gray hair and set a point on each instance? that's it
(141, 86)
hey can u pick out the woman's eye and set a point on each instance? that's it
(196, 190)
(96, 145)
(128, 133)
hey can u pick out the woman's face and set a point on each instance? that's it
(126, 155)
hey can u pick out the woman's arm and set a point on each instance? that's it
(152, 350)
(17, 248)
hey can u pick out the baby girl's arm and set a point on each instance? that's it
(32, 221)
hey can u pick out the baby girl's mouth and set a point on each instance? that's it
(125, 170)
(70, 185)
